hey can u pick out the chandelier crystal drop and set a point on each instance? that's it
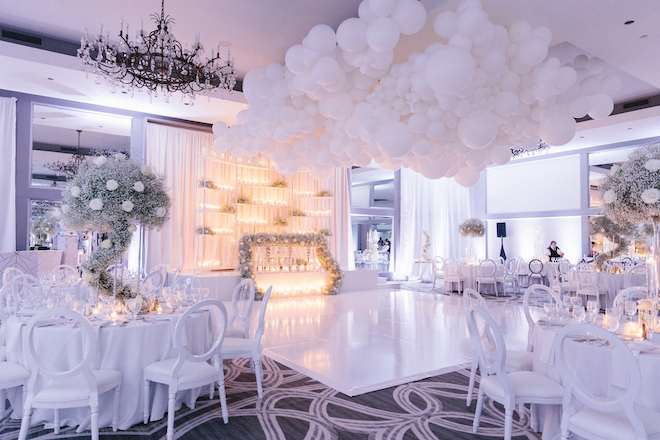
(156, 62)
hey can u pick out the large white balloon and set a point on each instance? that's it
(466, 176)
(532, 51)
(352, 35)
(444, 24)
(326, 70)
(434, 169)
(322, 38)
(600, 106)
(410, 16)
(477, 131)
(295, 59)
(449, 69)
(382, 8)
(338, 105)
(383, 34)
(220, 129)
(470, 21)
(395, 139)
(558, 130)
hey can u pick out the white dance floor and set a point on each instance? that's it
(363, 341)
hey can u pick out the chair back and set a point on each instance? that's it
(32, 281)
(572, 372)
(629, 294)
(188, 281)
(539, 291)
(535, 266)
(491, 358)
(470, 298)
(438, 264)
(510, 268)
(553, 277)
(20, 295)
(262, 318)
(65, 274)
(152, 285)
(181, 345)
(487, 268)
(635, 276)
(586, 275)
(500, 260)
(564, 268)
(10, 274)
(86, 348)
(241, 304)
(451, 267)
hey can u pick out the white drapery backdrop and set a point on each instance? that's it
(438, 206)
(173, 152)
(8, 174)
(340, 243)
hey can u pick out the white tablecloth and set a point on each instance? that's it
(127, 349)
(471, 272)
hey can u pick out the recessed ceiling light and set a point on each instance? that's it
(644, 36)
(225, 44)
(629, 22)
(124, 92)
(51, 79)
(629, 128)
(100, 126)
(581, 137)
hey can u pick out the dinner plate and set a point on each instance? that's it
(641, 346)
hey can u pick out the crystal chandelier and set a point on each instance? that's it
(156, 62)
(70, 168)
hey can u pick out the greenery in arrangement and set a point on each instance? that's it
(279, 184)
(632, 191)
(113, 194)
(207, 184)
(244, 200)
(279, 221)
(228, 209)
(324, 231)
(318, 241)
(472, 227)
(298, 213)
(204, 231)
(323, 193)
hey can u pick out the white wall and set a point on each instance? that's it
(534, 186)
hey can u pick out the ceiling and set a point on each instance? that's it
(260, 32)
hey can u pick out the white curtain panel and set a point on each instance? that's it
(173, 152)
(340, 242)
(8, 174)
(438, 206)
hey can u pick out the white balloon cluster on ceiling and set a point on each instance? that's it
(450, 111)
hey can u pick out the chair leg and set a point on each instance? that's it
(477, 412)
(25, 424)
(115, 409)
(3, 402)
(473, 378)
(145, 401)
(95, 422)
(223, 396)
(171, 405)
(508, 423)
(211, 391)
(534, 424)
(56, 422)
(260, 374)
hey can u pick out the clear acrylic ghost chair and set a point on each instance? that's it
(635, 276)
(241, 305)
(250, 348)
(438, 269)
(487, 275)
(10, 274)
(187, 370)
(516, 360)
(188, 281)
(152, 284)
(65, 274)
(163, 270)
(76, 387)
(629, 294)
(542, 293)
(612, 414)
(11, 374)
(507, 389)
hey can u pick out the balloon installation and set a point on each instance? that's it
(461, 105)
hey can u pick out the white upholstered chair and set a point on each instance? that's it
(453, 275)
(612, 414)
(250, 348)
(76, 387)
(438, 269)
(507, 389)
(241, 304)
(187, 370)
(487, 275)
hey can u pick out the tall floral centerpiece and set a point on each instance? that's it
(632, 194)
(113, 194)
(472, 227)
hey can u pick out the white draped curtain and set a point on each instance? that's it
(438, 206)
(8, 174)
(340, 242)
(173, 152)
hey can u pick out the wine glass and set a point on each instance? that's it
(548, 308)
(630, 308)
(172, 299)
(576, 300)
(611, 320)
(205, 292)
(579, 313)
(196, 293)
(134, 305)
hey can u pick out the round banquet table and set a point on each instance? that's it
(472, 271)
(543, 339)
(125, 348)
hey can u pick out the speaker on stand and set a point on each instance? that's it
(501, 233)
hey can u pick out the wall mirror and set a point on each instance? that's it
(600, 164)
(60, 134)
(44, 215)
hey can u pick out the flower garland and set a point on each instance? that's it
(113, 194)
(472, 227)
(246, 264)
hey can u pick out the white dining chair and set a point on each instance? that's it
(53, 388)
(453, 275)
(152, 284)
(10, 273)
(241, 304)
(487, 272)
(612, 414)
(438, 269)
(635, 276)
(629, 294)
(31, 280)
(507, 389)
(508, 276)
(11, 374)
(250, 348)
(187, 370)
(19, 295)
(587, 281)
(65, 274)
(535, 271)
(163, 269)
(540, 293)
(552, 273)
(516, 360)
(523, 273)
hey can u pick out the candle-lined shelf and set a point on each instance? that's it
(246, 195)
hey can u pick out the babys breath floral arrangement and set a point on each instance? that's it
(620, 233)
(631, 192)
(113, 194)
(426, 255)
(472, 227)
(42, 226)
(319, 241)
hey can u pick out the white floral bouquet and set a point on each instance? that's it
(113, 194)
(631, 192)
(472, 227)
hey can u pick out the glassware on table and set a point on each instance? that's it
(134, 305)
(579, 313)
(196, 293)
(549, 309)
(611, 320)
(205, 292)
(576, 300)
(172, 300)
(630, 308)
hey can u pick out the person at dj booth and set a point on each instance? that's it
(554, 252)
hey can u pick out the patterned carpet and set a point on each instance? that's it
(299, 408)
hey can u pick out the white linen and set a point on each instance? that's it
(436, 205)
(8, 174)
(173, 152)
(340, 241)
(127, 349)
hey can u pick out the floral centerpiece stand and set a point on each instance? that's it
(113, 194)
(472, 227)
